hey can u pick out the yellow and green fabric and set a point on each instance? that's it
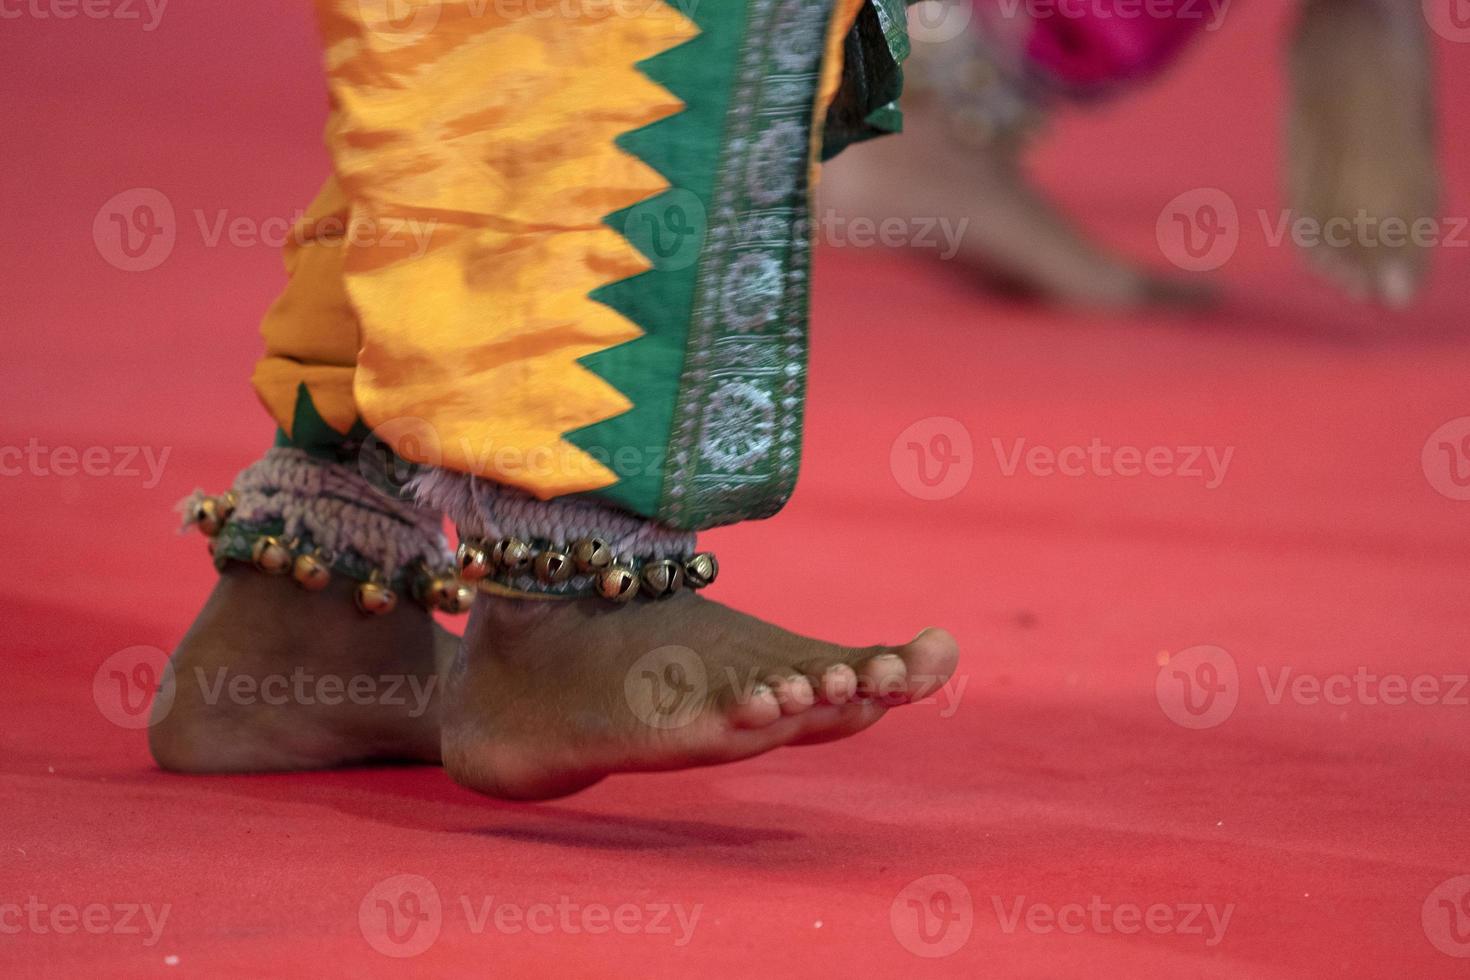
(566, 242)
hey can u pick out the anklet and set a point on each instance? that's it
(516, 545)
(984, 93)
(294, 514)
(586, 566)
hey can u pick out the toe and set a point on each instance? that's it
(756, 708)
(836, 684)
(883, 679)
(1397, 284)
(794, 693)
(930, 661)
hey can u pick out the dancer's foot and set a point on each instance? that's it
(1362, 143)
(998, 225)
(273, 678)
(548, 697)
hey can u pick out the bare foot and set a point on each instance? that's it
(1362, 154)
(273, 678)
(993, 220)
(548, 697)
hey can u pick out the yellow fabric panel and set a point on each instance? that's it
(311, 334)
(495, 129)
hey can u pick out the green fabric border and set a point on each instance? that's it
(686, 148)
(670, 229)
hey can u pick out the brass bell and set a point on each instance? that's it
(618, 583)
(701, 570)
(211, 513)
(553, 567)
(206, 517)
(512, 555)
(474, 561)
(375, 598)
(662, 579)
(311, 572)
(270, 556)
(459, 600)
(449, 594)
(592, 555)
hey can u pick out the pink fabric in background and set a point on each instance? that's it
(1086, 45)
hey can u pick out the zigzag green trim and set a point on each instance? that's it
(718, 378)
(311, 433)
(669, 230)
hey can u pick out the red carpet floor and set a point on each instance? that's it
(1075, 828)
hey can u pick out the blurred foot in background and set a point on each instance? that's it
(1362, 162)
(1361, 144)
